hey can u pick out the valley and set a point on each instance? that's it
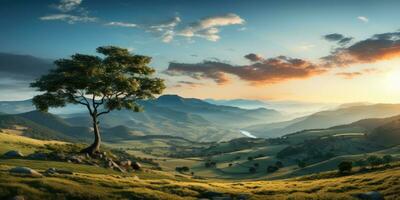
(313, 153)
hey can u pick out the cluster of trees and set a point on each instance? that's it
(182, 169)
(274, 168)
(270, 168)
(373, 161)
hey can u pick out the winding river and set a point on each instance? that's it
(248, 134)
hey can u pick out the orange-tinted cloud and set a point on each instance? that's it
(351, 75)
(187, 84)
(379, 47)
(268, 71)
(348, 75)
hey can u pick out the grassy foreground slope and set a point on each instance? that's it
(91, 182)
(155, 185)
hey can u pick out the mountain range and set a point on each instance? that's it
(167, 115)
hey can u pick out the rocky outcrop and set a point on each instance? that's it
(25, 171)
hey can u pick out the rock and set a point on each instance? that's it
(370, 196)
(136, 166)
(38, 156)
(115, 166)
(125, 164)
(13, 154)
(64, 171)
(51, 171)
(76, 159)
(57, 171)
(25, 171)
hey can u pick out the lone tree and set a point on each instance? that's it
(102, 84)
(345, 167)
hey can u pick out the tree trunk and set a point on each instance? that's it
(95, 147)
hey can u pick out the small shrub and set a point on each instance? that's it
(374, 161)
(345, 167)
(272, 168)
(182, 169)
(387, 158)
(252, 170)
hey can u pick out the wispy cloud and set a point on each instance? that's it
(71, 19)
(351, 75)
(339, 38)
(348, 75)
(167, 31)
(187, 84)
(122, 24)
(208, 27)
(363, 19)
(71, 12)
(68, 5)
(253, 57)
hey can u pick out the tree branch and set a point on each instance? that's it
(104, 112)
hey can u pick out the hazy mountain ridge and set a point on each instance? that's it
(326, 119)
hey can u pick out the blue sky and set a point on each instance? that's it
(59, 28)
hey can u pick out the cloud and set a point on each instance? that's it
(363, 19)
(165, 30)
(349, 75)
(122, 24)
(68, 5)
(253, 57)
(208, 28)
(379, 47)
(187, 84)
(269, 71)
(71, 13)
(17, 71)
(339, 38)
(71, 19)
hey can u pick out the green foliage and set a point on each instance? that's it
(252, 170)
(182, 169)
(345, 167)
(387, 158)
(374, 160)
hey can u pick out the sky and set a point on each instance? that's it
(311, 51)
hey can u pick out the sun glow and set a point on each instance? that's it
(393, 81)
